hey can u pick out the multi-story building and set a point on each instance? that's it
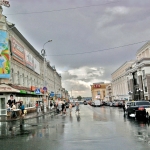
(22, 68)
(138, 75)
(109, 92)
(119, 82)
(98, 90)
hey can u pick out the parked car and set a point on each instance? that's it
(89, 102)
(115, 104)
(138, 108)
(85, 102)
(97, 103)
(92, 104)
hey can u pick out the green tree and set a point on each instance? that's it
(79, 98)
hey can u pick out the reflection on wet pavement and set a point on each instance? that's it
(104, 127)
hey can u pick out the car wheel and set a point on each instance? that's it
(128, 114)
(147, 116)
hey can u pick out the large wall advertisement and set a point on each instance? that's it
(17, 51)
(29, 60)
(23, 56)
(4, 55)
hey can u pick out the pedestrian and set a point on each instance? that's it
(60, 107)
(51, 104)
(22, 108)
(36, 105)
(63, 108)
(77, 108)
(123, 106)
(70, 108)
(13, 115)
(11, 100)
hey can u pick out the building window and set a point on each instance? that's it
(98, 92)
(145, 85)
(18, 77)
(23, 79)
(27, 82)
(143, 72)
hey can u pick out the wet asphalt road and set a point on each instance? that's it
(101, 128)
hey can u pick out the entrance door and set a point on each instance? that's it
(2, 106)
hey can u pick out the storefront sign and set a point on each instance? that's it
(97, 86)
(6, 88)
(23, 91)
(4, 3)
(4, 55)
(33, 88)
(18, 51)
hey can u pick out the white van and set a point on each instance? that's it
(97, 103)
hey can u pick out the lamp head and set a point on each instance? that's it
(49, 41)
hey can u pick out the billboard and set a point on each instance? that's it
(18, 51)
(29, 60)
(4, 55)
(20, 54)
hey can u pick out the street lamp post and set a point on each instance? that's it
(130, 93)
(43, 53)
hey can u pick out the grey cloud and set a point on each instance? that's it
(83, 30)
(67, 76)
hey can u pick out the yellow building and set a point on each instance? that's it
(98, 90)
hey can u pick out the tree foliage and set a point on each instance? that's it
(79, 98)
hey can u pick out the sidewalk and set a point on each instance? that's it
(27, 116)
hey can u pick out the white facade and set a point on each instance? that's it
(119, 82)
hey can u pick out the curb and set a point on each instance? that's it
(36, 116)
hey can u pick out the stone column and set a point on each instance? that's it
(148, 85)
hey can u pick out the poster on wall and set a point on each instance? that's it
(17, 51)
(4, 55)
(36, 66)
(29, 60)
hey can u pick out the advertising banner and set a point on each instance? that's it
(4, 55)
(18, 51)
(29, 60)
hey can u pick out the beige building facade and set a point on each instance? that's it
(98, 90)
(109, 94)
(119, 82)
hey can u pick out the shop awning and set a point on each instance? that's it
(8, 89)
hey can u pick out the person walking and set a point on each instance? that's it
(70, 108)
(51, 104)
(123, 106)
(63, 108)
(60, 107)
(77, 108)
(22, 108)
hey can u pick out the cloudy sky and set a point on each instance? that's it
(85, 34)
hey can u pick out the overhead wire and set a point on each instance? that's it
(106, 49)
(64, 9)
